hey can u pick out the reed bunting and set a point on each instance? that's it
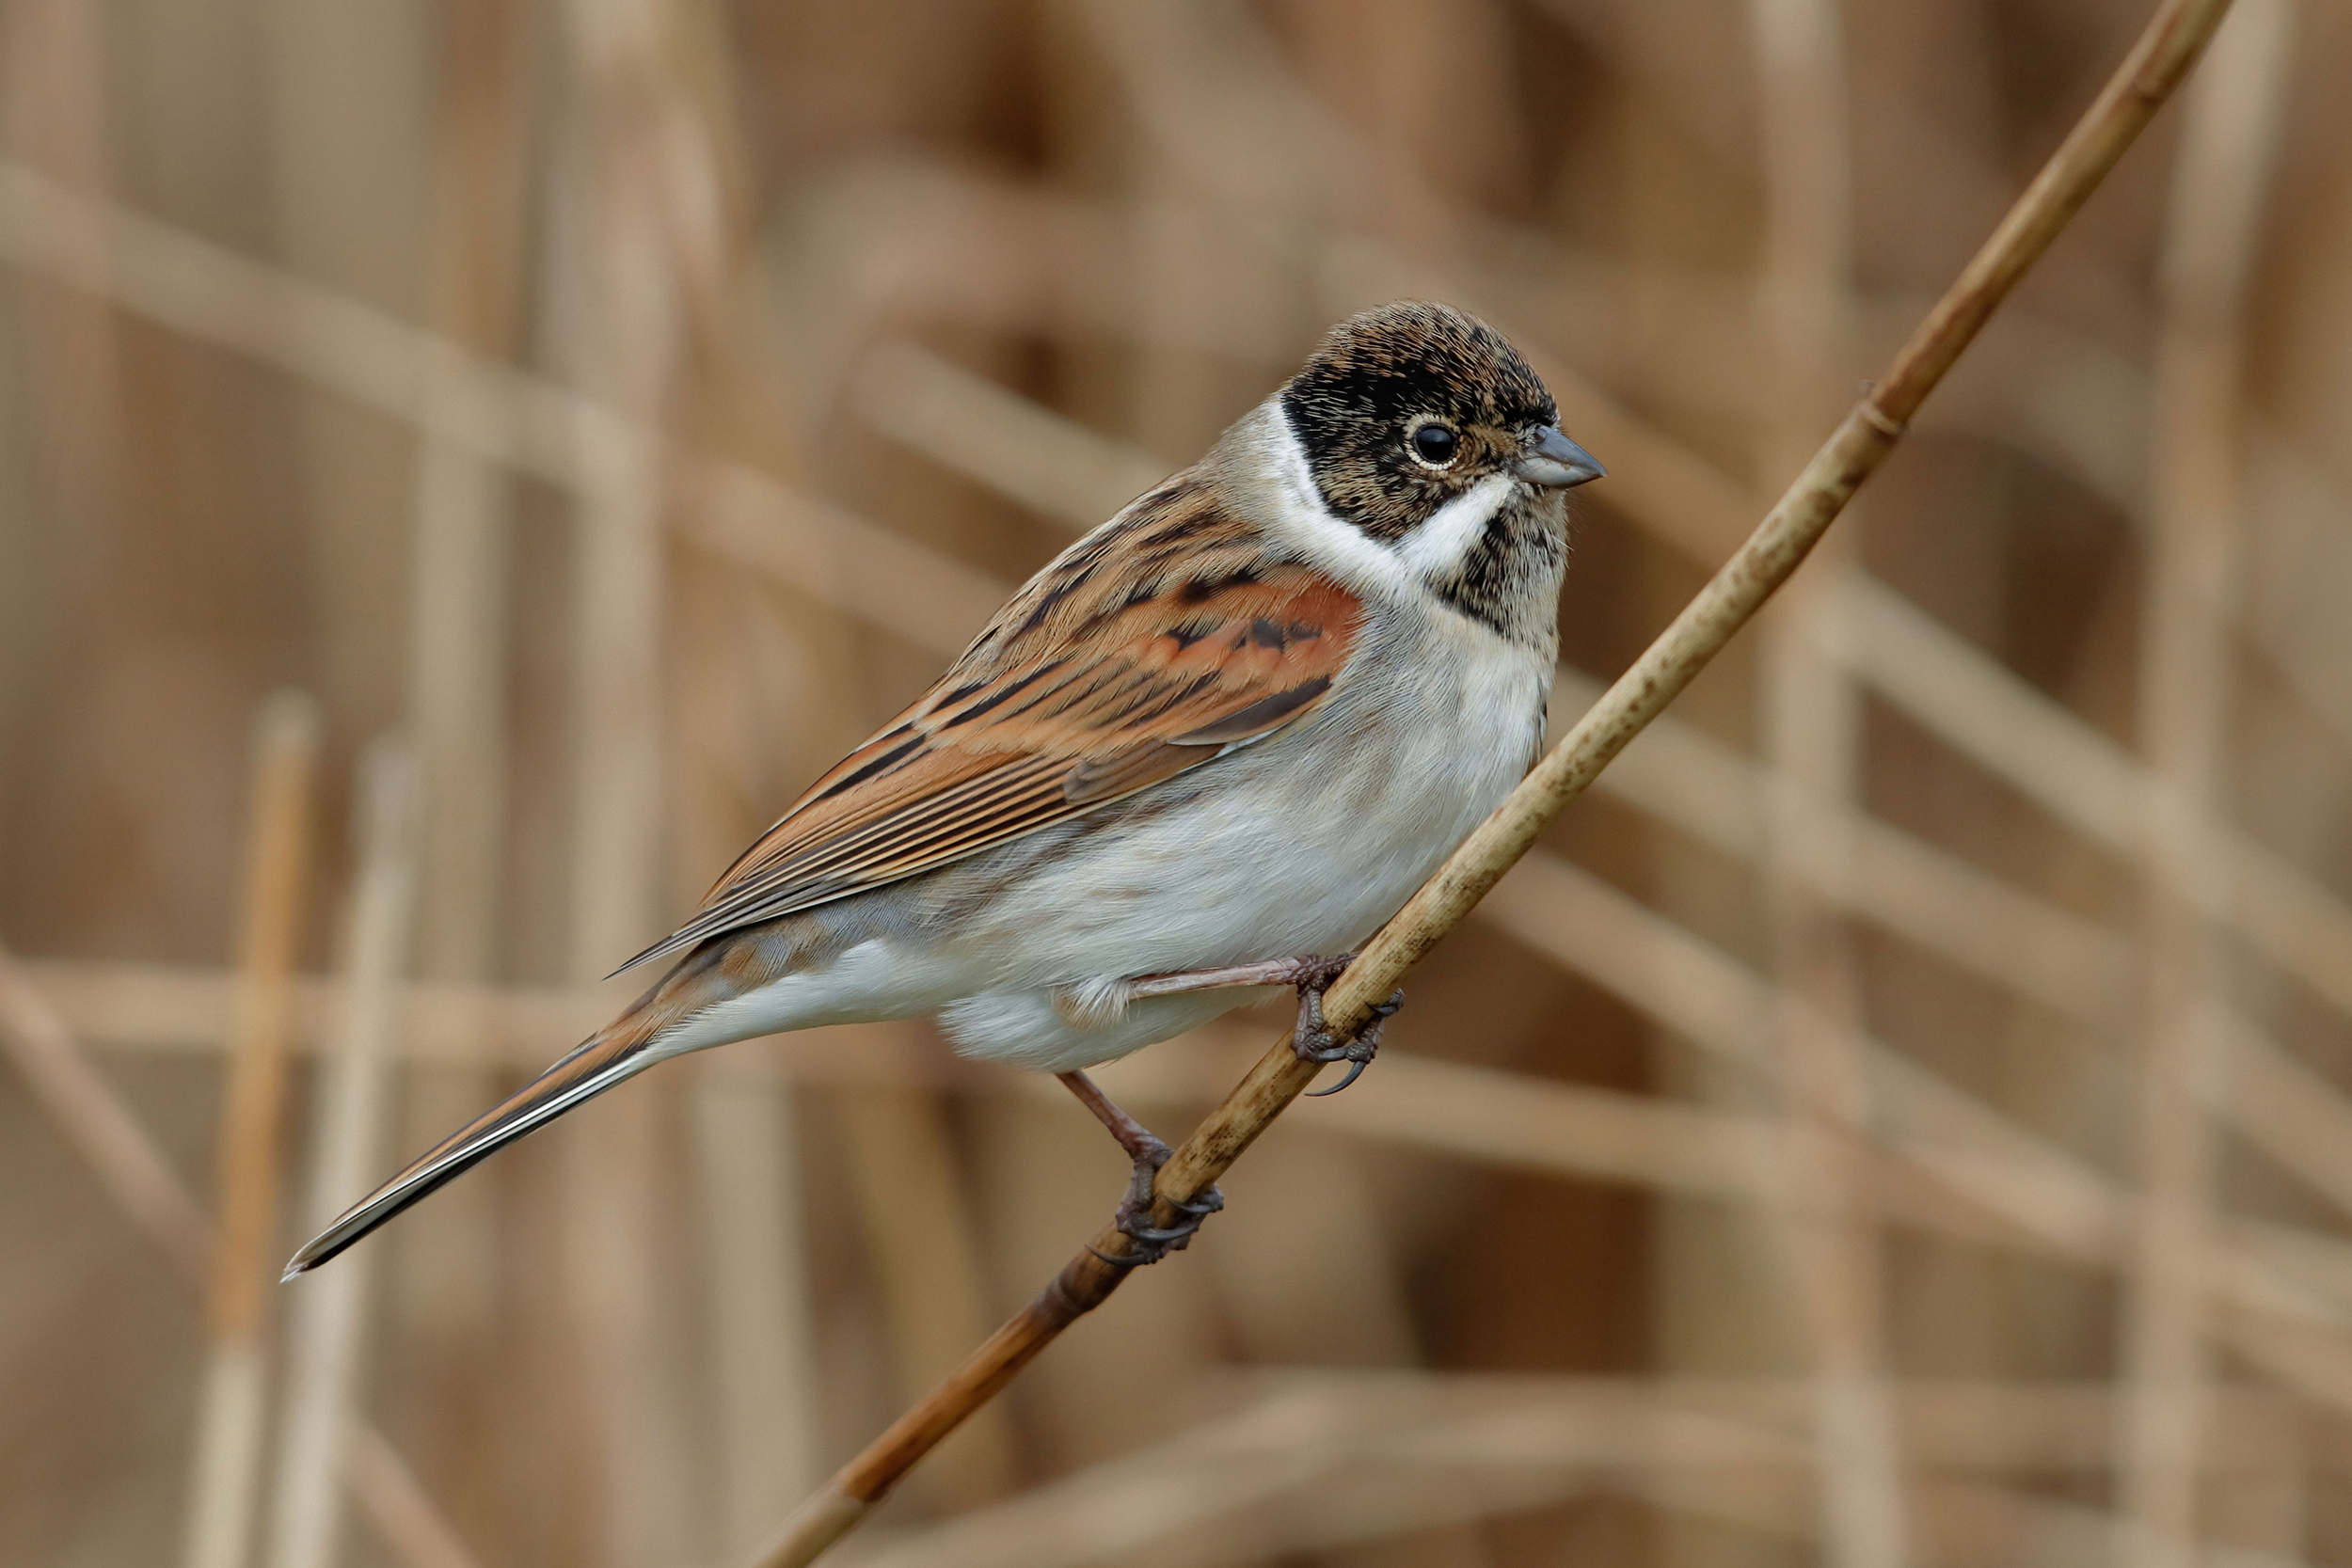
(1228, 731)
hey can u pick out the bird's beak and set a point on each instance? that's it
(1551, 459)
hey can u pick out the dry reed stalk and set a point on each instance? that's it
(986, 432)
(55, 119)
(1320, 1459)
(461, 501)
(2045, 1196)
(138, 1175)
(327, 1319)
(2020, 1191)
(186, 1008)
(2227, 144)
(226, 1464)
(641, 178)
(1812, 732)
(443, 1294)
(1953, 1167)
(2155, 67)
(1682, 777)
(214, 296)
(211, 294)
(923, 1248)
(732, 657)
(1328, 1461)
(530, 424)
(2083, 779)
(167, 1010)
(1479, 1115)
(1953, 1164)
(748, 1194)
(655, 217)
(414, 1530)
(1324, 1283)
(2297, 1117)
(613, 273)
(142, 1183)
(747, 1151)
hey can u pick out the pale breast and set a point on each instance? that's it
(1302, 843)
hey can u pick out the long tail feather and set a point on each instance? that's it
(619, 1051)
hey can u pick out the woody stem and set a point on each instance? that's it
(2156, 66)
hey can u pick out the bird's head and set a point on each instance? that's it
(1408, 407)
(1438, 460)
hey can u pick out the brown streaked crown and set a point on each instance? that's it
(1377, 378)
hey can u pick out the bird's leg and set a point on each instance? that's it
(1312, 976)
(1310, 1040)
(1149, 1154)
(1273, 971)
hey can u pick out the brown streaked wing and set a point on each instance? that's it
(1146, 649)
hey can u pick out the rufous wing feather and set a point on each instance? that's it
(1149, 648)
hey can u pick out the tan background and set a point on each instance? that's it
(1905, 1116)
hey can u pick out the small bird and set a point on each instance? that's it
(1214, 743)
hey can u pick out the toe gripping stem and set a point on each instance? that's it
(1314, 1042)
(1134, 1219)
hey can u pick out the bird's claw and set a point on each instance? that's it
(1355, 1071)
(1134, 1219)
(1314, 1042)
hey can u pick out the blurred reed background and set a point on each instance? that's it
(1904, 1116)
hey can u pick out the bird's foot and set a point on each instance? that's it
(1136, 1218)
(1314, 1042)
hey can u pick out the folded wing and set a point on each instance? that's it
(1143, 651)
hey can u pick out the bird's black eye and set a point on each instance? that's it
(1435, 444)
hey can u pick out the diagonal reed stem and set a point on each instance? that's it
(2157, 64)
